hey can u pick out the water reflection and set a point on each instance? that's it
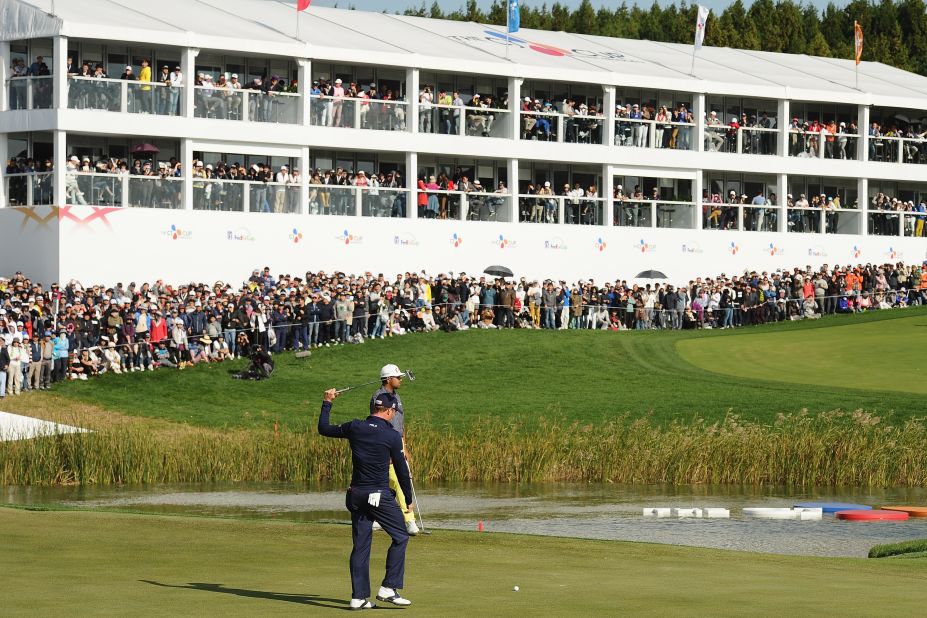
(597, 511)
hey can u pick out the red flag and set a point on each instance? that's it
(858, 41)
(302, 5)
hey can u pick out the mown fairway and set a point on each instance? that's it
(868, 361)
(887, 355)
(110, 564)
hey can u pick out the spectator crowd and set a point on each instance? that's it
(57, 333)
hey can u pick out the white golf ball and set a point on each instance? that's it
(515, 588)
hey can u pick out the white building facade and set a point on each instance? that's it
(654, 189)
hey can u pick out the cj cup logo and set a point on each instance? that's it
(504, 243)
(405, 240)
(894, 254)
(645, 247)
(692, 248)
(733, 248)
(856, 252)
(600, 244)
(555, 244)
(456, 240)
(347, 238)
(295, 236)
(175, 233)
(774, 250)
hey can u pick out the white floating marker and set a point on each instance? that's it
(687, 512)
(716, 513)
(657, 512)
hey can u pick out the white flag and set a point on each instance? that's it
(700, 26)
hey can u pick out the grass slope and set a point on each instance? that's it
(580, 375)
(887, 355)
(105, 564)
(918, 546)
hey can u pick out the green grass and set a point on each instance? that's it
(109, 564)
(578, 375)
(904, 548)
(886, 355)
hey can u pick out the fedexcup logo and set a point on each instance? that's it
(241, 234)
(555, 244)
(817, 252)
(500, 38)
(691, 248)
(405, 240)
(176, 233)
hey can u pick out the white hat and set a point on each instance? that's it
(390, 371)
(338, 81)
(527, 99)
(234, 75)
(74, 159)
(209, 167)
(546, 183)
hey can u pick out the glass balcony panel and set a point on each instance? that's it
(487, 206)
(380, 202)
(30, 92)
(884, 223)
(843, 221)
(583, 211)
(914, 225)
(540, 208)
(221, 103)
(155, 192)
(632, 213)
(96, 94)
(721, 216)
(758, 141)
(42, 188)
(331, 200)
(17, 189)
(760, 219)
(150, 98)
(540, 126)
(676, 215)
(805, 220)
(813, 144)
(485, 122)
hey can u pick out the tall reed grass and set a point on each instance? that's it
(835, 448)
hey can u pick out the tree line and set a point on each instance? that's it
(895, 32)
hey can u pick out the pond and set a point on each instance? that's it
(595, 511)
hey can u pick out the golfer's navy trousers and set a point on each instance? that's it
(388, 515)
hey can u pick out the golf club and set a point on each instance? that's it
(415, 501)
(407, 373)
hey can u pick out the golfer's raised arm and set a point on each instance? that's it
(326, 428)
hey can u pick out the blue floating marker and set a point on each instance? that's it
(833, 507)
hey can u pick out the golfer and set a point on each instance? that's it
(391, 379)
(374, 443)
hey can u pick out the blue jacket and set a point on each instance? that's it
(374, 444)
(61, 346)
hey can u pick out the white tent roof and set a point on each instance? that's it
(269, 27)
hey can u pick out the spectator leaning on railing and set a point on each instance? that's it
(50, 335)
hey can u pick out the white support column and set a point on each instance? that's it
(412, 183)
(782, 201)
(4, 76)
(862, 146)
(304, 79)
(3, 157)
(783, 124)
(698, 185)
(59, 73)
(608, 187)
(186, 162)
(188, 67)
(59, 160)
(699, 112)
(412, 90)
(514, 124)
(512, 185)
(304, 176)
(608, 134)
(862, 201)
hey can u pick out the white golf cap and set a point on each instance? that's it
(390, 371)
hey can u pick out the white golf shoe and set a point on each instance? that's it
(391, 596)
(361, 604)
(412, 527)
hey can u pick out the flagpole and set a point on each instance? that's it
(855, 50)
(508, 16)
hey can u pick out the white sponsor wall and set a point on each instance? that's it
(113, 244)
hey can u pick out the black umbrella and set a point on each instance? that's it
(650, 274)
(499, 271)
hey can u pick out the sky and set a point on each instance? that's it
(450, 5)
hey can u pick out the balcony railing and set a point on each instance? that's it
(822, 144)
(649, 213)
(351, 113)
(464, 206)
(126, 96)
(898, 149)
(638, 133)
(245, 105)
(557, 127)
(34, 189)
(99, 189)
(741, 140)
(30, 92)
(463, 120)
